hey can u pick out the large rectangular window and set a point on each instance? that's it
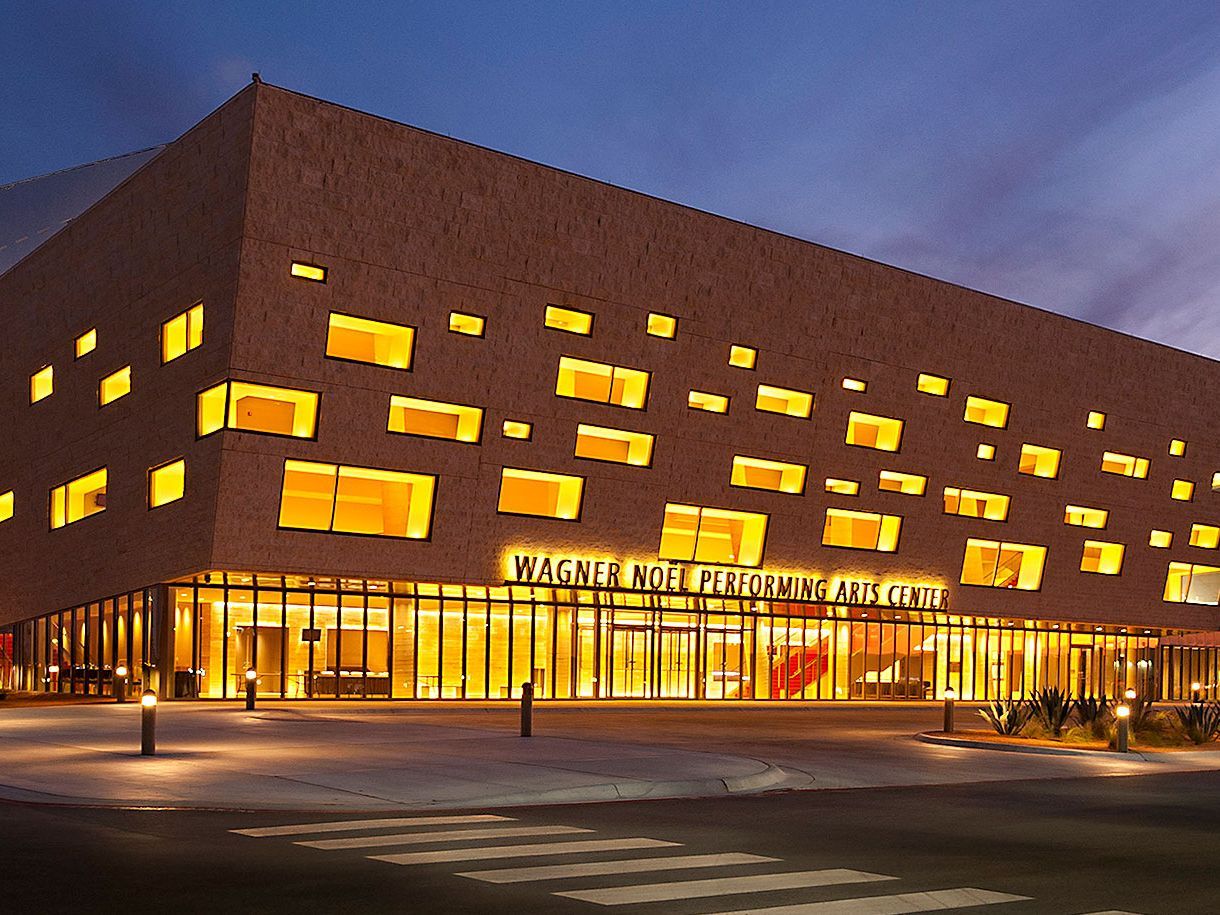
(356, 500)
(1038, 461)
(1102, 558)
(993, 564)
(1126, 465)
(776, 476)
(373, 342)
(182, 333)
(253, 407)
(434, 419)
(615, 445)
(543, 495)
(713, 535)
(1083, 516)
(970, 503)
(868, 431)
(114, 386)
(784, 400)
(1191, 583)
(986, 412)
(861, 530)
(78, 498)
(1205, 536)
(166, 483)
(601, 383)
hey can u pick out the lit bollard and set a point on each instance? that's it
(118, 685)
(950, 695)
(527, 709)
(1123, 713)
(251, 688)
(148, 723)
(1130, 694)
(1195, 689)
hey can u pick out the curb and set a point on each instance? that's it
(928, 737)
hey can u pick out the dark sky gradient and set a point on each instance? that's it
(1062, 154)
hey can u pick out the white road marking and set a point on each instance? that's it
(721, 886)
(443, 835)
(352, 825)
(598, 868)
(900, 904)
(522, 851)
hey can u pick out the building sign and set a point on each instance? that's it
(720, 581)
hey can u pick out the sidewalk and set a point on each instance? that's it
(383, 756)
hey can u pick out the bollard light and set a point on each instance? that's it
(1194, 691)
(1123, 714)
(950, 695)
(1129, 695)
(118, 684)
(148, 723)
(251, 688)
(527, 709)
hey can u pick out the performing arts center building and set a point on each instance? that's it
(379, 413)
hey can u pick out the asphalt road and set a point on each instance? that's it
(1146, 844)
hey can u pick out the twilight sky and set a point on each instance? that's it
(1062, 154)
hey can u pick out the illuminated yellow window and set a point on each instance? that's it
(1160, 539)
(114, 386)
(713, 535)
(861, 530)
(986, 412)
(42, 383)
(855, 384)
(596, 381)
(932, 384)
(970, 503)
(86, 342)
(471, 325)
(993, 564)
(434, 419)
(771, 399)
(776, 476)
(1038, 461)
(182, 333)
(615, 445)
(985, 452)
(356, 500)
(309, 271)
(1102, 558)
(544, 495)
(880, 432)
(1096, 420)
(1182, 490)
(909, 484)
(78, 498)
(1177, 447)
(1082, 516)
(374, 342)
(842, 487)
(252, 407)
(711, 403)
(1216, 481)
(516, 428)
(1191, 583)
(1126, 465)
(1205, 536)
(166, 483)
(6, 505)
(569, 320)
(660, 325)
(742, 357)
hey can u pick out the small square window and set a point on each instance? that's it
(1161, 539)
(166, 483)
(6, 505)
(310, 272)
(86, 342)
(1096, 420)
(933, 384)
(742, 357)
(855, 384)
(660, 325)
(1182, 490)
(1177, 447)
(568, 320)
(42, 383)
(1038, 461)
(515, 428)
(986, 412)
(470, 325)
(985, 452)
(1205, 536)
(1102, 558)
(114, 386)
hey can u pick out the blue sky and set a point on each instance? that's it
(1061, 154)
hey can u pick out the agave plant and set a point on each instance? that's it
(1051, 707)
(1141, 712)
(1200, 721)
(1007, 717)
(1092, 713)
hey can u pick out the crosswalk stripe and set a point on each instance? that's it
(352, 825)
(522, 851)
(899, 904)
(721, 886)
(598, 868)
(443, 835)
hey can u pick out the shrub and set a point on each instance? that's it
(1092, 714)
(1051, 708)
(1142, 716)
(1006, 717)
(1200, 721)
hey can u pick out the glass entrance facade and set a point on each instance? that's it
(326, 638)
